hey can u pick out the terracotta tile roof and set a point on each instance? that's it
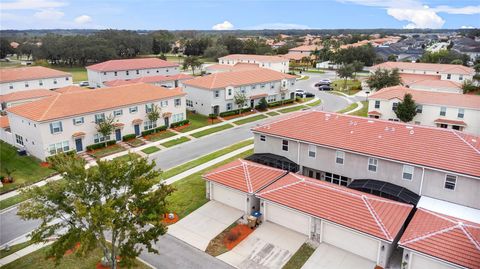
(306, 48)
(131, 64)
(447, 238)
(149, 79)
(4, 123)
(429, 97)
(219, 67)
(244, 175)
(78, 134)
(374, 113)
(415, 144)
(259, 58)
(29, 73)
(70, 89)
(455, 122)
(373, 215)
(431, 81)
(235, 67)
(26, 95)
(237, 78)
(296, 56)
(441, 68)
(257, 96)
(89, 101)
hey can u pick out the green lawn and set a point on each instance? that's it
(135, 142)
(190, 191)
(196, 121)
(191, 164)
(175, 142)
(316, 103)
(251, 119)
(126, 157)
(160, 135)
(27, 168)
(212, 130)
(292, 109)
(316, 71)
(100, 153)
(348, 108)
(362, 112)
(305, 78)
(338, 85)
(150, 150)
(12, 201)
(14, 248)
(300, 257)
(273, 113)
(36, 260)
(78, 73)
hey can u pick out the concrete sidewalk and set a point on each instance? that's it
(23, 252)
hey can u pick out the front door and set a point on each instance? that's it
(252, 103)
(216, 110)
(78, 145)
(292, 95)
(137, 129)
(167, 121)
(118, 134)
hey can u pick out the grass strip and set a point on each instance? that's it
(150, 150)
(250, 119)
(212, 130)
(175, 142)
(292, 109)
(300, 257)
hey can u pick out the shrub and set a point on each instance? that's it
(70, 152)
(232, 236)
(128, 137)
(111, 142)
(147, 132)
(234, 112)
(262, 105)
(161, 128)
(100, 145)
(212, 116)
(279, 103)
(156, 130)
(179, 123)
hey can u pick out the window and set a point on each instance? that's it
(148, 108)
(461, 113)
(26, 85)
(443, 111)
(54, 81)
(97, 138)
(67, 78)
(394, 106)
(262, 85)
(449, 76)
(118, 112)
(312, 151)
(137, 72)
(450, 182)
(339, 157)
(177, 102)
(56, 127)
(40, 82)
(443, 125)
(285, 145)
(58, 147)
(272, 86)
(336, 179)
(133, 109)
(229, 91)
(115, 73)
(419, 109)
(254, 87)
(164, 103)
(19, 139)
(148, 124)
(460, 77)
(377, 104)
(189, 103)
(456, 127)
(78, 121)
(10, 86)
(262, 138)
(216, 94)
(271, 98)
(407, 172)
(127, 73)
(372, 164)
(177, 117)
(99, 117)
(229, 106)
(104, 73)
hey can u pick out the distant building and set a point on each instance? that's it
(171, 81)
(35, 77)
(217, 68)
(305, 50)
(22, 97)
(275, 63)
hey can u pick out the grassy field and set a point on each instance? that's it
(338, 86)
(12, 201)
(160, 135)
(304, 78)
(78, 73)
(196, 121)
(316, 103)
(251, 119)
(175, 142)
(300, 257)
(100, 153)
(27, 169)
(212, 130)
(191, 164)
(150, 150)
(126, 157)
(273, 113)
(348, 108)
(292, 109)
(362, 112)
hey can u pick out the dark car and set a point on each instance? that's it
(323, 82)
(305, 94)
(324, 88)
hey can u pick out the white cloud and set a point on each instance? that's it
(467, 27)
(468, 10)
(226, 25)
(418, 18)
(278, 26)
(31, 4)
(49, 14)
(83, 19)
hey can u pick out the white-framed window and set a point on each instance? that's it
(285, 145)
(148, 108)
(115, 73)
(394, 106)
(443, 111)
(58, 147)
(189, 103)
(372, 164)
(19, 139)
(148, 125)
(177, 117)
(271, 98)
(127, 73)
(99, 117)
(449, 76)
(312, 151)
(460, 77)
(10, 86)
(339, 157)
(164, 103)
(461, 113)
(177, 102)
(216, 94)
(419, 109)
(336, 179)
(262, 85)
(229, 106)
(272, 86)
(450, 182)
(54, 81)
(104, 73)
(377, 104)
(97, 138)
(254, 87)
(133, 109)
(118, 112)
(229, 91)
(40, 82)
(407, 172)
(56, 127)
(26, 85)
(78, 121)
(263, 138)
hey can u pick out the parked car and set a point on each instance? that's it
(325, 88)
(303, 93)
(83, 84)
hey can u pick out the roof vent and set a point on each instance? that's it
(412, 132)
(474, 140)
(409, 127)
(370, 121)
(351, 132)
(386, 128)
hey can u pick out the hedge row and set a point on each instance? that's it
(101, 145)
(234, 112)
(70, 152)
(179, 123)
(279, 103)
(156, 130)
(128, 137)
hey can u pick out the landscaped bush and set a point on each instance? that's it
(100, 145)
(234, 112)
(161, 128)
(111, 142)
(156, 130)
(147, 132)
(70, 152)
(262, 105)
(179, 123)
(128, 137)
(212, 116)
(279, 103)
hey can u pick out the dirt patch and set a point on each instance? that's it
(236, 235)
(181, 127)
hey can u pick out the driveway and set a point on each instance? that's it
(202, 225)
(269, 246)
(329, 257)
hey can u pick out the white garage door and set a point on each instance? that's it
(229, 197)
(288, 218)
(350, 241)
(420, 262)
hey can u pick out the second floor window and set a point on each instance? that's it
(285, 145)
(78, 121)
(443, 111)
(394, 106)
(262, 138)
(164, 103)
(133, 109)
(118, 112)
(377, 104)
(127, 73)
(178, 102)
(312, 151)
(339, 157)
(419, 109)
(461, 113)
(115, 73)
(216, 94)
(99, 117)
(449, 76)
(56, 127)
(372, 164)
(148, 108)
(407, 172)
(40, 83)
(450, 182)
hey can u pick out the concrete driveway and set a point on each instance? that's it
(203, 224)
(329, 257)
(269, 246)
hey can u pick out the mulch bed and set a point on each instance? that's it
(45, 164)
(236, 116)
(168, 221)
(72, 250)
(241, 231)
(181, 127)
(100, 266)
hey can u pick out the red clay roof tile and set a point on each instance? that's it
(131, 64)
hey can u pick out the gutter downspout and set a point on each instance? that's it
(421, 181)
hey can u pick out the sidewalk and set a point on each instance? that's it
(23, 252)
(359, 106)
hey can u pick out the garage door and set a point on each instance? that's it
(288, 218)
(342, 238)
(420, 262)
(229, 197)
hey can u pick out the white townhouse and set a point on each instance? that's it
(35, 77)
(127, 69)
(22, 97)
(170, 81)
(214, 94)
(445, 110)
(68, 121)
(272, 62)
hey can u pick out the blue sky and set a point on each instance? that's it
(240, 14)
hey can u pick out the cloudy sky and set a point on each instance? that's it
(238, 14)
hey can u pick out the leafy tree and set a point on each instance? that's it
(232, 43)
(392, 58)
(477, 68)
(154, 113)
(262, 104)
(215, 52)
(468, 86)
(196, 46)
(160, 46)
(444, 57)
(5, 48)
(382, 78)
(357, 67)
(162, 57)
(407, 109)
(345, 71)
(240, 99)
(192, 62)
(106, 126)
(111, 206)
(365, 54)
(457, 61)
